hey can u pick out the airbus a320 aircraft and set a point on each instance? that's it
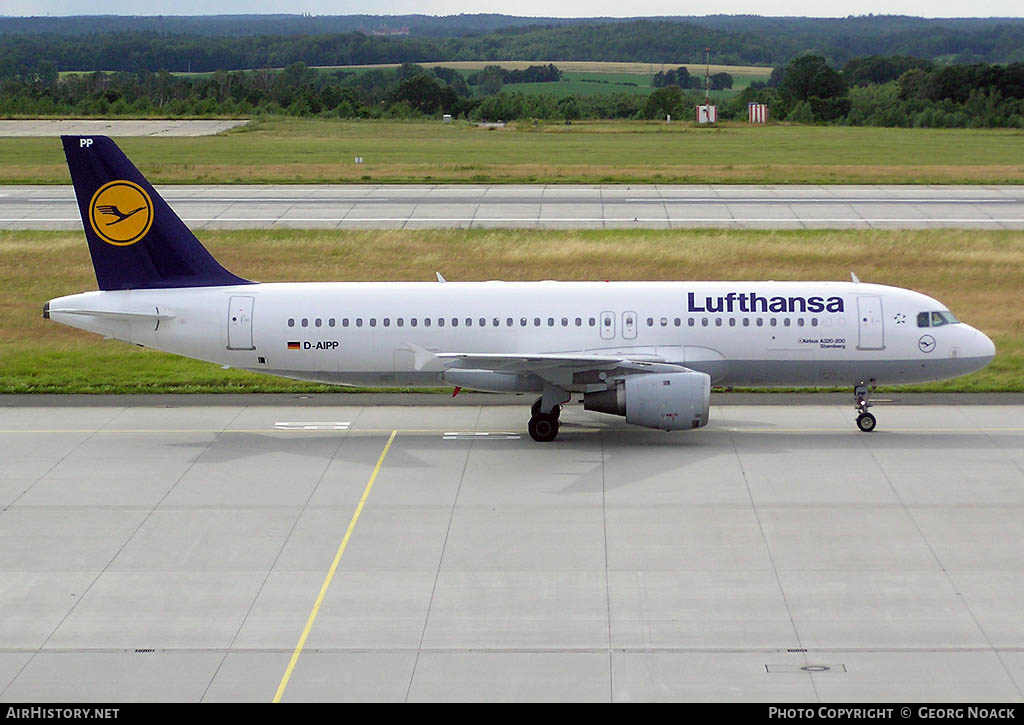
(649, 351)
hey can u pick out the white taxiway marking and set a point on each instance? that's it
(470, 435)
(314, 425)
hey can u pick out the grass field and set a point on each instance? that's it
(980, 276)
(592, 78)
(592, 84)
(288, 150)
(580, 66)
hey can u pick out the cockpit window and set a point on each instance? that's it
(936, 319)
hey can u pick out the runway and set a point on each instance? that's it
(546, 207)
(317, 550)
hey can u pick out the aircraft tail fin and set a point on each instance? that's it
(136, 241)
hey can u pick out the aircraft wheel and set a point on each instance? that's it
(866, 422)
(543, 428)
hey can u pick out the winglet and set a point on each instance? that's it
(440, 277)
(854, 278)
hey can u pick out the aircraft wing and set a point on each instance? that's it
(556, 362)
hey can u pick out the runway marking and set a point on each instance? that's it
(435, 431)
(330, 573)
(860, 221)
(314, 425)
(477, 435)
(818, 200)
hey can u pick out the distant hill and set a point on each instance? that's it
(207, 43)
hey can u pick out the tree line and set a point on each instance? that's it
(875, 91)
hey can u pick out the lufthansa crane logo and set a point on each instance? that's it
(121, 213)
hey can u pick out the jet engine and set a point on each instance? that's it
(670, 401)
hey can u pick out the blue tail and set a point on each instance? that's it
(135, 240)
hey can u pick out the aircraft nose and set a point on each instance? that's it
(983, 346)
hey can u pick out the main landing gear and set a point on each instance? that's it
(865, 421)
(544, 426)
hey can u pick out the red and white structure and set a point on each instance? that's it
(707, 114)
(757, 112)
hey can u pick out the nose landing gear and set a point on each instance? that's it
(865, 420)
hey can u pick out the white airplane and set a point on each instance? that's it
(649, 351)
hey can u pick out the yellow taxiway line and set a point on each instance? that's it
(330, 573)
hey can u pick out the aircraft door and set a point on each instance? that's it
(870, 324)
(629, 325)
(607, 325)
(240, 323)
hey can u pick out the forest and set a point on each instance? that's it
(222, 43)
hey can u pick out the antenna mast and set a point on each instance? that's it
(707, 77)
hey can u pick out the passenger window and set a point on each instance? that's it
(785, 322)
(718, 322)
(650, 322)
(690, 322)
(760, 322)
(732, 322)
(704, 322)
(330, 322)
(400, 322)
(922, 319)
(508, 322)
(495, 321)
(440, 322)
(579, 322)
(373, 322)
(291, 322)
(344, 322)
(387, 322)
(773, 322)
(746, 322)
(565, 322)
(426, 322)
(814, 322)
(412, 322)
(592, 322)
(536, 322)
(359, 322)
(305, 322)
(455, 322)
(664, 322)
(522, 322)
(318, 322)
(678, 322)
(551, 322)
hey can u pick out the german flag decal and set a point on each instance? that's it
(293, 346)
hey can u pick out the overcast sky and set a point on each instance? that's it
(564, 8)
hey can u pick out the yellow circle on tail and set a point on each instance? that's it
(121, 213)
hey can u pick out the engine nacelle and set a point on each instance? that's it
(670, 401)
